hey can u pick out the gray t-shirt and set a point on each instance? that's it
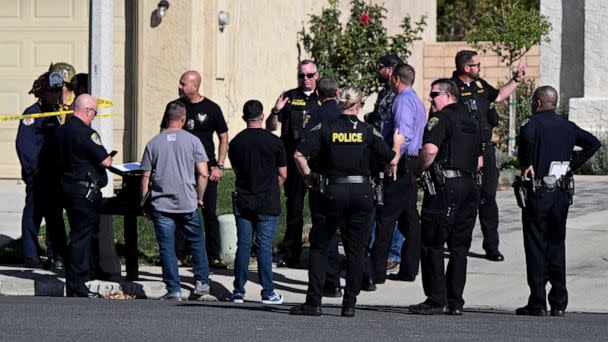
(173, 156)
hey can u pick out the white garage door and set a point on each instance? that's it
(34, 33)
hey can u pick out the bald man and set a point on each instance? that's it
(547, 140)
(203, 118)
(82, 163)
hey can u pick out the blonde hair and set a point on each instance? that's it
(349, 97)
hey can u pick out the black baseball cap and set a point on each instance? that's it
(390, 60)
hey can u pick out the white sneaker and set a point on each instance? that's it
(274, 298)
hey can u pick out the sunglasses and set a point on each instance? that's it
(434, 94)
(92, 109)
(309, 75)
(474, 65)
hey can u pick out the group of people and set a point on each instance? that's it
(361, 178)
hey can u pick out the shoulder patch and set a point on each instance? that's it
(376, 133)
(524, 122)
(316, 128)
(28, 121)
(96, 139)
(432, 122)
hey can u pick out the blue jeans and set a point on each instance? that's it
(396, 245)
(191, 225)
(265, 227)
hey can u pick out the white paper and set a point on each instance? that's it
(559, 169)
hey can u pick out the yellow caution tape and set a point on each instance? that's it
(101, 103)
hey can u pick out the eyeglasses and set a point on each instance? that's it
(93, 109)
(434, 94)
(309, 75)
(474, 65)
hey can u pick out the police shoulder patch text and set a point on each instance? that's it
(95, 138)
(28, 121)
(432, 122)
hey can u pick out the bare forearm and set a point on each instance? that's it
(145, 185)
(223, 148)
(201, 185)
(506, 90)
(426, 158)
(301, 163)
(272, 122)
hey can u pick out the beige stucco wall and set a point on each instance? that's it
(254, 58)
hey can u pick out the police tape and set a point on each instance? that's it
(101, 103)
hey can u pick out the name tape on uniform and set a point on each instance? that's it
(101, 103)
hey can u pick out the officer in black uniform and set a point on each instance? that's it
(343, 148)
(477, 96)
(82, 159)
(451, 152)
(546, 142)
(327, 92)
(292, 110)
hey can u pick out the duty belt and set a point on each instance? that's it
(456, 174)
(349, 180)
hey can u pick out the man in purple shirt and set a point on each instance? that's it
(408, 115)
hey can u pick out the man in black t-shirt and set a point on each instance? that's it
(203, 118)
(259, 161)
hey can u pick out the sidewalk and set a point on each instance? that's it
(490, 285)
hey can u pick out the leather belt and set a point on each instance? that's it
(455, 174)
(349, 180)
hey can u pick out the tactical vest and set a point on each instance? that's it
(478, 105)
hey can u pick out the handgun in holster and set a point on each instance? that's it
(378, 185)
(92, 189)
(521, 193)
(437, 174)
(426, 183)
(478, 176)
(569, 187)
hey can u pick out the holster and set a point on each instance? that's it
(426, 183)
(378, 186)
(521, 193)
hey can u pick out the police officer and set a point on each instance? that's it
(452, 151)
(546, 141)
(292, 110)
(327, 92)
(82, 159)
(343, 148)
(477, 96)
(37, 156)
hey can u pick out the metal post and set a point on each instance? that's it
(101, 46)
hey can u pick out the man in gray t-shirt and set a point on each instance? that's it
(170, 162)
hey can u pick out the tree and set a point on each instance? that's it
(350, 54)
(456, 17)
(509, 30)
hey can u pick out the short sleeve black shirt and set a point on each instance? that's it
(483, 94)
(203, 119)
(80, 153)
(295, 115)
(255, 155)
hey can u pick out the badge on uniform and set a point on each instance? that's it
(316, 128)
(96, 139)
(28, 121)
(432, 122)
(524, 122)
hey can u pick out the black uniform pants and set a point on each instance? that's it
(211, 226)
(544, 228)
(488, 209)
(349, 207)
(448, 217)
(400, 198)
(295, 191)
(83, 217)
(317, 215)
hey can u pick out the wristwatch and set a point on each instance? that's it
(220, 166)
